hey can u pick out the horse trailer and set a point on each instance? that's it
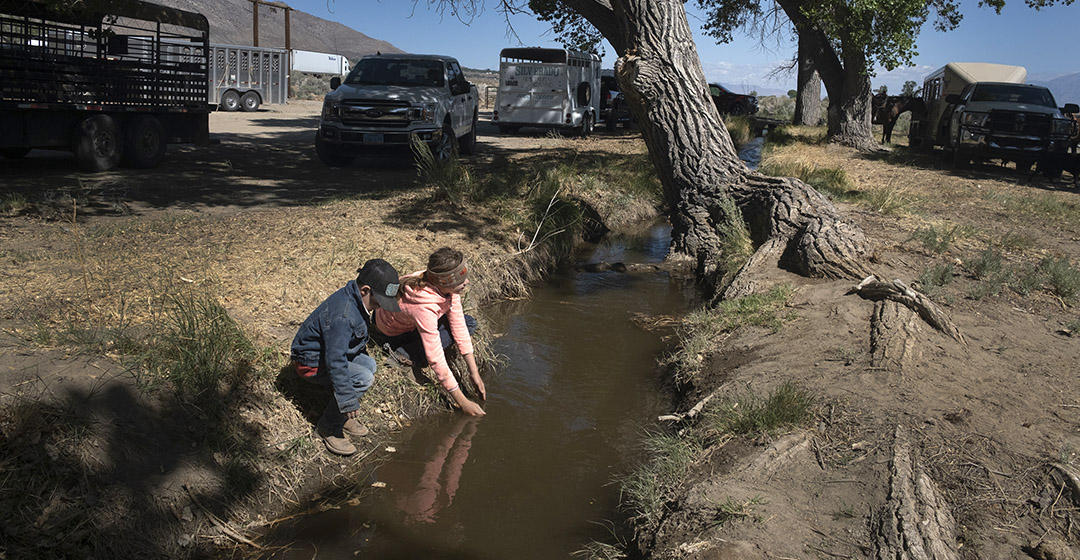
(246, 77)
(547, 88)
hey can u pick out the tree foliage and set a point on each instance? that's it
(572, 30)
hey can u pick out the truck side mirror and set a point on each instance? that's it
(1071, 108)
(952, 99)
(335, 83)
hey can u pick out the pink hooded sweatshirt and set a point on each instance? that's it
(421, 310)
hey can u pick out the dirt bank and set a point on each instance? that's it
(992, 421)
(146, 316)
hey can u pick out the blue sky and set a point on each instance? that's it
(1042, 41)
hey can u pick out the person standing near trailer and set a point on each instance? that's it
(547, 88)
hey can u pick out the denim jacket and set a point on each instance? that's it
(332, 336)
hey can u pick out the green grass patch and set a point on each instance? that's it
(987, 264)
(829, 180)
(937, 239)
(1062, 278)
(731, 510)
(450, 177)
(785, 406)
(702, 329)
(600, 551)
(1073, 327)
(668, 457)
(935, 277)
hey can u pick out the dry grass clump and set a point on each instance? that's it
(738, 127)
(835, 182)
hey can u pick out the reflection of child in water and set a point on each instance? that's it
(441, 474)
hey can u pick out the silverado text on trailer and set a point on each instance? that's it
(386, 100)
(101, 80)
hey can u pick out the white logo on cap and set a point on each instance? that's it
(391, 290)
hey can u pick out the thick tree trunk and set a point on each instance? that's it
(849, 110)
(808, 96)
(845, 79)
(699, 169)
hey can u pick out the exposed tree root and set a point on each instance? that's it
(873, 289)
(743, 283)
(893, 329)
(915, 523)
(1070, 478)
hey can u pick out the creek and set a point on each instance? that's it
(565, 416)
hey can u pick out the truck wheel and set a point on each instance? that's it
(97, 143)
(586, 127)
(467, 143)
(329, 155)
(230, 101)
(443, 150)
(250, 101)
(14, 153)
(144, 143)
(1051, 170)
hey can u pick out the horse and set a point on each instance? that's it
(888, 108)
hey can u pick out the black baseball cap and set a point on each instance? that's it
(383, 280)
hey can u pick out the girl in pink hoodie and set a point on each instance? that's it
(431, 318)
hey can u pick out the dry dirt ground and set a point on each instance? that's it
(988, 418)
(260, 223)
(90, 264)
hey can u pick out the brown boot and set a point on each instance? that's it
(335, 440)
(354, 428)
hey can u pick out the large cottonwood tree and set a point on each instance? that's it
(660, 73)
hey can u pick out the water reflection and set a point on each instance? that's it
(423, 495)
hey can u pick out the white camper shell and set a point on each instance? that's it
(548, 88)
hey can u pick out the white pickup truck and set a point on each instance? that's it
(388, 99)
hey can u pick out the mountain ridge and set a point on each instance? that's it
(230, 23)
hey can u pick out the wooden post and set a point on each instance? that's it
(288, 34)
(288, 53)
(254, 23)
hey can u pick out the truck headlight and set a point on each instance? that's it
(1062, 127)
(425, 113)
(330, 110)
(974, 119)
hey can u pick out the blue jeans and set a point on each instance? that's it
(361, 376)
(411, 346)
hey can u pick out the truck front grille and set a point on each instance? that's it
(1019, 123)
(375, 113)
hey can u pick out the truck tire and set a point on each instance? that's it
(97, 143)
(443, 150)
(611, 123)
(467, 143)
(329, 155)
(144, 143)
(250, 101)
(230, 101)
(14, 153)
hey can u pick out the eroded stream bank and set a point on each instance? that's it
(532, 479)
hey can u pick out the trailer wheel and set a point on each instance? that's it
(586, 127)
(144, 143)
(14, 153)
(230, 101)
(467, 143)
(97, 143)
(250, 101)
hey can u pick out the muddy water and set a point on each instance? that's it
(750, 152)
(533, 478)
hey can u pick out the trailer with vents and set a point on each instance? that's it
(112, 82)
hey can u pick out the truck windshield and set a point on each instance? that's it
(1014, 94)
(397, 72)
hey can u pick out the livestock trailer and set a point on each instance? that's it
(549, 88)
(101, 80)
(246, 77)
